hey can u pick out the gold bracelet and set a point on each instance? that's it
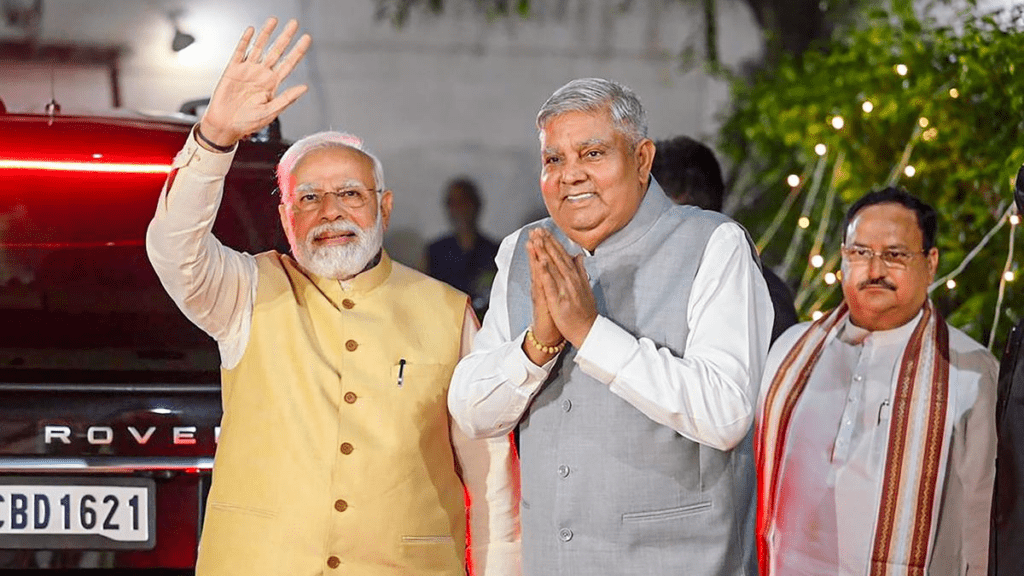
(545, 349)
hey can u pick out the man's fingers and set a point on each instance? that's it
(284, 100)
(256, 54)
(286, 66)
(243, 45)
(281, 43)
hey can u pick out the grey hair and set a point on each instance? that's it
(328, 139)
(594, 94)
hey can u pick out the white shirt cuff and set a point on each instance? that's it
(605, 350)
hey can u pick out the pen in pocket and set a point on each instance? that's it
(401, 371)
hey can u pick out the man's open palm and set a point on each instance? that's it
(245, 99)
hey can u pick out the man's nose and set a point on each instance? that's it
(572, 173)
(876, 267)
(331, 207)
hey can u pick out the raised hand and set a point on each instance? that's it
(245, 99)
(566, 287)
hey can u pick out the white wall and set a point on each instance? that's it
(442, 96)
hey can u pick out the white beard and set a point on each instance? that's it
(343, 261)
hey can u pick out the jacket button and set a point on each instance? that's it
(566, 405)
(565, 534)
(348, 304)
(346, 448)
(563, 470)
(333, 562)
(341, 505)
(350, 397)
(351, 345)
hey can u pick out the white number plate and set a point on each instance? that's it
(98, 513)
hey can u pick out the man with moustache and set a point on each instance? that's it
(336, 453)
(625, 338)
(876, 432)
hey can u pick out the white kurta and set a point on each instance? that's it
(831, 472)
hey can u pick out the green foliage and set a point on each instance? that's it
(956, 117)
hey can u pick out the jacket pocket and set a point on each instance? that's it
(666, 513)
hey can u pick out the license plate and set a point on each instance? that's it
(78, 513)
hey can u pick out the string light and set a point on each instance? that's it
(820, 149)
(817, 261)
(922, 122)
(838, 122)
(830, 278)
(803, 222)
(816, 314)
(910, 171)
(954, 93)
(867, 106)
(1008, 276)
(793, 180)
(950, 283)
(1014, 219)
(930, 134)
(902, 69)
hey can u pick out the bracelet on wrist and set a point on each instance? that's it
(545, 349)
(211, 143)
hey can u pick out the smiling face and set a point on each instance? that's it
(333, 240)
(591, 178)
(881, 297)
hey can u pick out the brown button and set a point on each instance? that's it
(348, 304)
(341, 505)
(350, 397)
(333, 562)
(346, 448)
(351, 345)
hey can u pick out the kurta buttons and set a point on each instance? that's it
(351, 345)
(341, 505)
(563, 470)
(348, 304)
(350, 397)
(333, 562)
(566, 405)
(565, 534)
(346, 448)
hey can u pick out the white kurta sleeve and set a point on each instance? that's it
(212, 284)
(709, 394)
(493, 385)
(490, 472)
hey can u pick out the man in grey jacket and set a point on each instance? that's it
(626, 339)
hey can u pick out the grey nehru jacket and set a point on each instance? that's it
(605, 489)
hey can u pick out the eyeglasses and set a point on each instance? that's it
(352, 197)
(892, 258)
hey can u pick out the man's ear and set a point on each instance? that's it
(386, 199)
(933, 261)
(644, 159)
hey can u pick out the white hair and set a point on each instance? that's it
(594, 94)
(328, 139)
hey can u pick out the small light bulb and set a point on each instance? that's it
(954, 93)
(838, 122)
(830, 278)
(930, 134)
(97, 156)
(820, 149)
(910, 171)
(803, 222)
(867, 106)
(950, 283)
(816, 314)
(793, 180)
(1008, 275)
(817, 261)
(1014, 219)
(922, 122)
(901, 69)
